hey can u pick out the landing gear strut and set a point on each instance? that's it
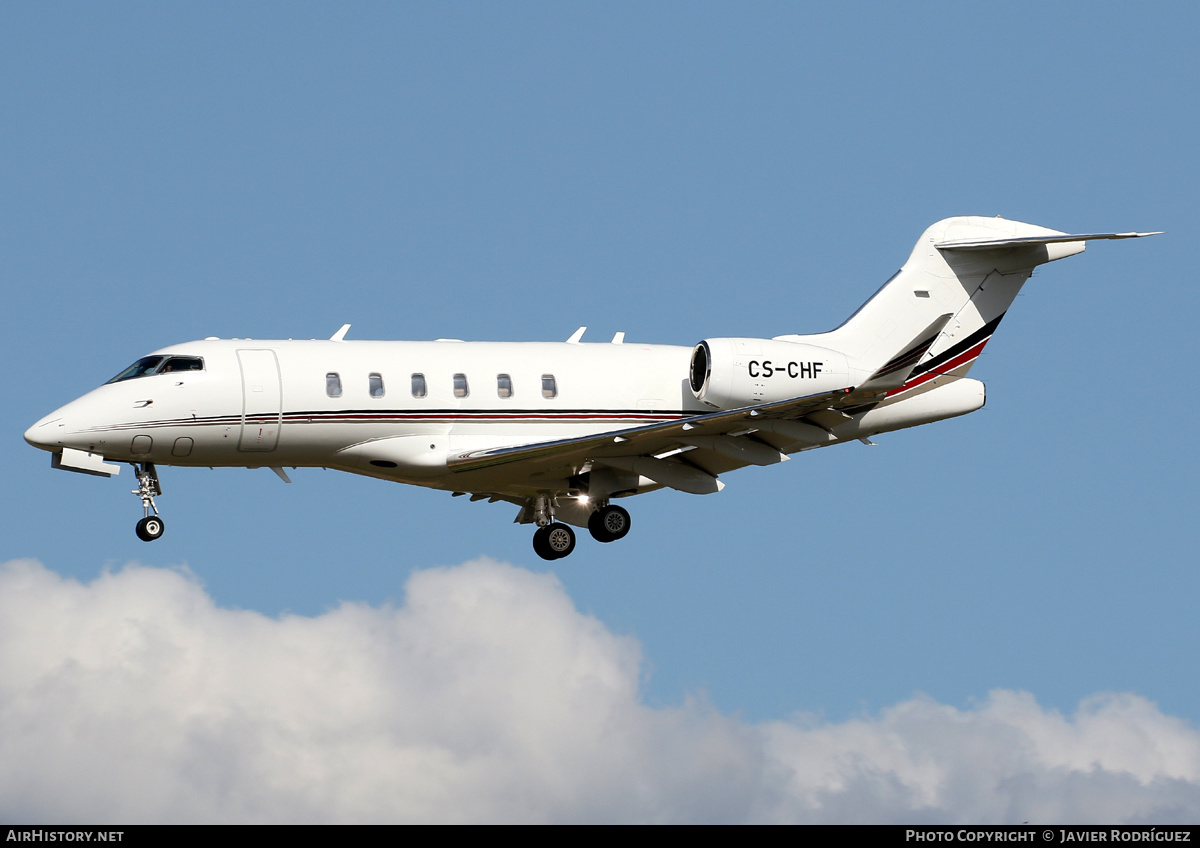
(151, 527)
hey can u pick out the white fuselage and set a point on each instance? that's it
(276, 403)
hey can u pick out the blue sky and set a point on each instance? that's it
(674, 171)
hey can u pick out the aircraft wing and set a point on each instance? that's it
(718, 436)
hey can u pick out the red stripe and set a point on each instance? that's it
(384, 417)
(966, 356)
(293, 419)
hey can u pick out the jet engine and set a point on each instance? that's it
(732, 373)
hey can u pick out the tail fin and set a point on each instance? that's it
(970, 268)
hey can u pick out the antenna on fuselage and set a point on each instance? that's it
(340, 335)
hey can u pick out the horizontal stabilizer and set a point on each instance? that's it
(995, 244)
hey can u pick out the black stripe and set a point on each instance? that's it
(403, 414)
(953, 351)
(908, 356)
(316, 413)
(915, 350)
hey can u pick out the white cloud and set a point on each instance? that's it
(488, 697)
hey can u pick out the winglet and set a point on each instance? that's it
(893, 373)
(577, 335)
(340, 335)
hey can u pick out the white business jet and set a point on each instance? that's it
(562, 430)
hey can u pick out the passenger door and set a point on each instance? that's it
(262, 400)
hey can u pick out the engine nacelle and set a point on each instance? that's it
(731, 373)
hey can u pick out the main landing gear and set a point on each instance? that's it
(608, 524)
(555, 540)
(151, 527)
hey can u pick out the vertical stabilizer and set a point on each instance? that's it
(969, 268)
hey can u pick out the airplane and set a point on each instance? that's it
(563, 429)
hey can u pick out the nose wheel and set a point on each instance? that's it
(151, 527)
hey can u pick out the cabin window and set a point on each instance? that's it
(418, 385)
(375, 385)
(461, 389)
(504, 385)
(549, 386)
(333, 384)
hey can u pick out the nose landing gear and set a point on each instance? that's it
(151, 527)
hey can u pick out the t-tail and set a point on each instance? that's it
(958, 283)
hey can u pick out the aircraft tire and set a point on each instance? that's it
(539, 543)
(554, 541)
(609, 524)
(150, 528)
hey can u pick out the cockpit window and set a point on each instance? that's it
(159, 365)
(141, 368)
(182, 363)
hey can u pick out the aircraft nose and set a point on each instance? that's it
(44, 433)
